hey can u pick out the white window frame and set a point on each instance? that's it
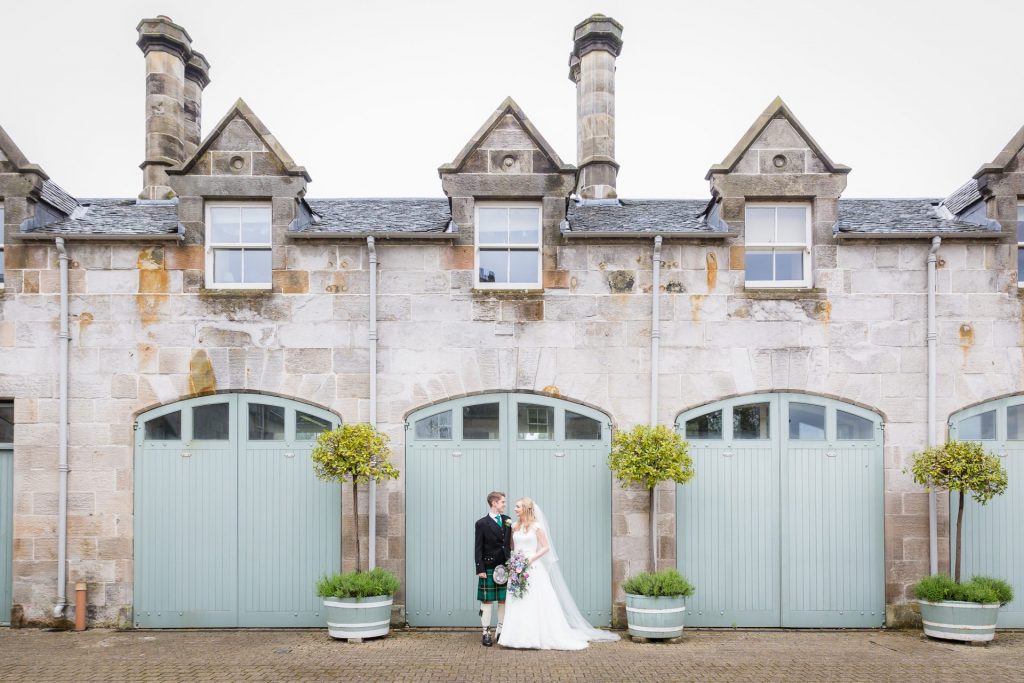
(211, 246)
(804, 247)
(3, 261)
(1020, 243)
(477, 247)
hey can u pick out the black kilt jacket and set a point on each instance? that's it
(493, 544)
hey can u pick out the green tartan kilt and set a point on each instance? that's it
(488, 591)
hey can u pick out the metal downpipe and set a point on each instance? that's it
(64, 340)
(655, 346)
(933, 524)
(372, 503)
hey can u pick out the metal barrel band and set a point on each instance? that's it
(647, 610)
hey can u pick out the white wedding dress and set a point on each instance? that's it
(540, 620)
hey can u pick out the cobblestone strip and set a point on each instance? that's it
(414, 655)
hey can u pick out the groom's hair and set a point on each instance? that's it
(494, 496)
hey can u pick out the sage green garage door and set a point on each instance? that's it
(231, 526)
(993, 534)
(783, 523)
(525, 445)
(6, 507)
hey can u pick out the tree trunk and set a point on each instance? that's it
(355, 516)
(959, 529)
(654, 533)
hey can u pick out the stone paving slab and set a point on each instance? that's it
(430, 655)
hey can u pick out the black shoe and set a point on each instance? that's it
(487, 640)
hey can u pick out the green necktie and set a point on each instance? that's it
(497, 518)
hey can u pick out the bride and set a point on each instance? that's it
(546, 617)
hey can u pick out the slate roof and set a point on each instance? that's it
(54, 195)
(640, 215)
(962, 197)
(377, 215)
(899, 216)
(116, 217)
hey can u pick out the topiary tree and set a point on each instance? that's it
(647, 456)
(962, 466)
(355, 453)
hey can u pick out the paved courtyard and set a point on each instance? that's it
(419, 655)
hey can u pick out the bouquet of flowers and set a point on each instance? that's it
(518, 574)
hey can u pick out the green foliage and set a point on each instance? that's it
(369, 584)
(353, 452)
(980, 589)
(666, 583)
(960, 466)
(649, 455)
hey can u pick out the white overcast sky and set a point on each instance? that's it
(371, 97)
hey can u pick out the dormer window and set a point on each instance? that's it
(1020, 245)
(777, 243)
(238, 245)
(508, 245)
(1, 244)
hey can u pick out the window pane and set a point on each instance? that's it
(806, 421)
(1014, 423)
(437, 426)
(750, 421)
(1, 260)
(493, 266)
(580, 427)
(480, 422)
(257, 266)
(524, 226)
(792, 224)
(536, 423)
(266, 423)
(759, 226)
(256, 224)
(523, 265)
(758, 265)
(789, 265)
(978, 428)
(1020, 223)
(224, 224)
(1020, 263)
(164, 428)
(308, 427)
(6, 423)
(227, 266)
(853, 427)
(707, 426)
(210, 422)
(493, 227)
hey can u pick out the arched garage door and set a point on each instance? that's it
(782, 524)
(993, 534)
(231, 526)
(525, 445)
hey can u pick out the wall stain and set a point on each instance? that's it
(150, 258)
(712, 261)
(674, 287)
(823, 311)
(966, 333)
(621, 281)
(552, 390)
(696, 302)
(84, 320)
(201, 379)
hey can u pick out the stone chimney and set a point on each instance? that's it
(197, 77)
(167, 48)
(597, 41)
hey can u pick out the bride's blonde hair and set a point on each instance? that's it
(528, 517)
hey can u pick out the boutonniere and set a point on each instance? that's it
(508, 522)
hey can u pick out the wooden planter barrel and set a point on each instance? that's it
(968, 621)
(650, 617)
(358, 617)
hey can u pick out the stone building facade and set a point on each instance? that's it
(149, 325)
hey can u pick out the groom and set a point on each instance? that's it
(493, 547)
